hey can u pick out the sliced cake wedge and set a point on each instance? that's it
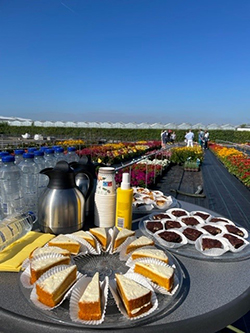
(86, 236)
(139, 242)
(66, 242)
(162, 275)
(101, 235)
(150, 253)
(40, 265)
(90, 301)
(135, 297)
(51, 290)
(121, 236)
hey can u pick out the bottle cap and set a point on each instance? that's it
(59, 150)
(8, 158)
(125, 184)
(19, 151)
(28, 155)
(3, 153)
(71, 149)
(49, 151)
(38, 153)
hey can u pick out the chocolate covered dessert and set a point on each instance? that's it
(178, 213)
(160, 216)
(192, 234)
(170, 224)
(210, 243)
(204, 216)
(212, 230)
(170, 236)
(217, 219)
(154, 226)
(235, 241)
(234, 230)
(190, 220)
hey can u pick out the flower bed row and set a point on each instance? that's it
(236, 162)
(180, 155)
(144, 173)
(118, 152)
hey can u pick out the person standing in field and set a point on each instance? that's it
(190, 138)
(201, 138)
(206, 139)
(163, 138)
(173, 137)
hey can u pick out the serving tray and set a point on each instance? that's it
(107, 265)
(189, 250)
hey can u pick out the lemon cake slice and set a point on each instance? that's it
(150, 253)
(135, 297)
(51, 290)
(49, 250)
(90, 301)
(161, 275)
(86, 236)
(139, 242)
(65, 242)
(101, 235)
(121, 236)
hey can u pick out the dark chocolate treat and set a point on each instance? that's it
(189, 220)
(212, 230)
(170, 224)
(154, 226)
(170, 236)
(192, 234)
(178, 213)
(204, 216)
(217, 219)
(234, 230)
(209, 243)
(235, 241)
(160, 216)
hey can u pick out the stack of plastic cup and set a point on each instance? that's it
(104, 210)
(105, 198)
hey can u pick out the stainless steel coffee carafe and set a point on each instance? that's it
(61, 208)
(86, 181)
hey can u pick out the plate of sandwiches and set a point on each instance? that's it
(146, 200)
(197, 234)
(104, 276)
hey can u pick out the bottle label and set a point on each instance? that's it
(5, 208)
(120, 222)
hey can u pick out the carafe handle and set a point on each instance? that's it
(80, 169)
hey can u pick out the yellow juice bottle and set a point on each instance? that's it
(124, 202)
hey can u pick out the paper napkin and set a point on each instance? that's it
(12, 256)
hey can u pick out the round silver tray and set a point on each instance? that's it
(107, 265)
(190, 251)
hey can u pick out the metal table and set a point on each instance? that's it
(215, 294)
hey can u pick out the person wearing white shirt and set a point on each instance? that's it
(206, 139)
(190, 138)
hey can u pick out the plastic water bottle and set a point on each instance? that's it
(10, 186)
(72, 155)
(14, 227)
(29, 181)
(50, 160)
(59, 154)
(2, 154)
(18, 155)
(43, 180)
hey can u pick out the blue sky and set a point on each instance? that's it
(126, 60)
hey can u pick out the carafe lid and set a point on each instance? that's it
(62, 176)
